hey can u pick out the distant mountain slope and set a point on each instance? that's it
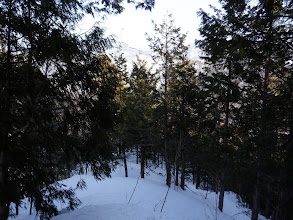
(131, 53)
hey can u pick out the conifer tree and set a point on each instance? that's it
(53, 82)
(183, 87)
(120, 135)
(222, 50)
(245, 34)
(167, 45)
(141, 105)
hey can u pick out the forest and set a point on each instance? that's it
(65, 103)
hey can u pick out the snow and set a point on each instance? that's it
(109, 199)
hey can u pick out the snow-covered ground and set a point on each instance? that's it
(109, 199)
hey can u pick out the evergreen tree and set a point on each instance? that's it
(242, 37)
(167, 45)
(141, 105)
(56, 97)
(223, 51)
(183, 87)
(120, 134)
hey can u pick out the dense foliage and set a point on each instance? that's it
(57, 100)
(66, 105)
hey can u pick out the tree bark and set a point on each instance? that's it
(158, 158)
(176, 173)
(263, 136)
(222, 191)
(4, 205)
(285, 203)
(255, 207)
(225, 140)
(197, 178)
(221, 198)
(177, 155)
(31, 205)
(4, 129)
(182, 183)
(168, 168)
(125, 162)
(142, 159)
(267, 208)
(17, 208)
(137, 155)
(225, 146)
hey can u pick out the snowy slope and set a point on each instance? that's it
(108, 199)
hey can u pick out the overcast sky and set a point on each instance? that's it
(131, 25)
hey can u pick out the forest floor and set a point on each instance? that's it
(109, 199)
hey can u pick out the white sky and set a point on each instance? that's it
(131, 25)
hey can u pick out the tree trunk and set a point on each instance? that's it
(225, 146)
(177, 155)
(205, 182)
(255, 207)
(176, 173)
(221, 198)
(168, 169)
(267, 211)
(137, 156)
(4, 130)
(4, 206)
(197, 178)
(158, 158)
(285, 203)
(125, 162)
(225, 141)
(166, 77)
(182, 184)
(264, 138)
(265, 133)
(222, 192)
(142, 159)
(17, 208)
(119, 150)
(31, 205)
